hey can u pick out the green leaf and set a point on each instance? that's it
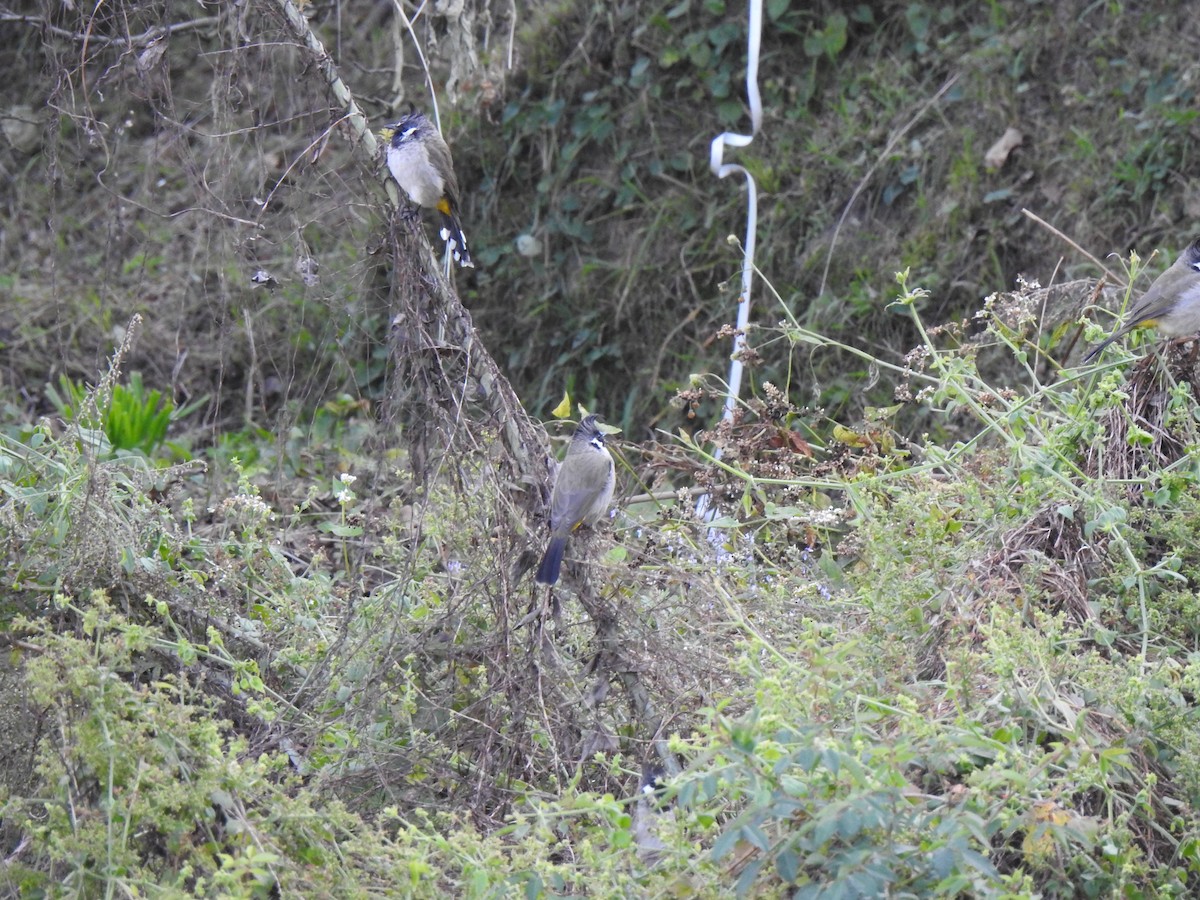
(806, 759)
(746, 880)
(825, 829)
(918, 18)
(832, 760)
(756, 837)
(340, 530)
(787, 864)
(1106, 521)
(725, 843)
(849, 823)
(723, 522)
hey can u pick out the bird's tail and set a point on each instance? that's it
(452, 234)
(1099, 348)
(547, 572)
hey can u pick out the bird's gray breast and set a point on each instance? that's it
(1184, 317)
(410, 166)
(583, 489)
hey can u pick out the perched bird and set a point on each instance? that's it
(582, 492)
(647, 810)
(1172, 304)
(420, 162)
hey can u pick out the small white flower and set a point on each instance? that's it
(347, 478)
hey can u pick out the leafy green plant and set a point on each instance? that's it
(825, 812)
(1002, 717)
(137, 418)
(131, 418)
(170, 797)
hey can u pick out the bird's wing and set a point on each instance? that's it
(571, 507)
(1155, 303)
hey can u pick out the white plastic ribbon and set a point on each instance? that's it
(720, 168)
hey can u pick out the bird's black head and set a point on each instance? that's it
(1191, 256)
(653, 783)
(589, 429)
(405, 128)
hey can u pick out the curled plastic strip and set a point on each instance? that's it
(722, 169)
(704, 507)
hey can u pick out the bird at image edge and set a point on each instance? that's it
(582, 492)
(1172, 303)
(419, 160)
